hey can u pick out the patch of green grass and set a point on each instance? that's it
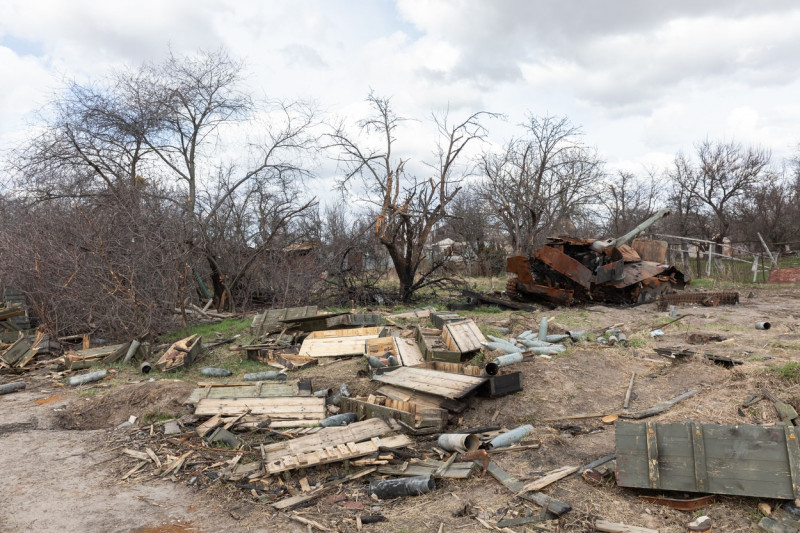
(156, 417)
(637, 343)
(487, 309)
(242, 365)
(487, 330)
(788, 345)
(478, 359)
(225, 328)
(789, 371)
(87, 393)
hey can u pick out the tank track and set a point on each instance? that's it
(511, 290)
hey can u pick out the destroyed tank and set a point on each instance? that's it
(569, 270)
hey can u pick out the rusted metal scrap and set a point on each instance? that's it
(569, 270)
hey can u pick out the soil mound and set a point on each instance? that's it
(152, 399)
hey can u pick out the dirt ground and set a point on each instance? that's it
(60, 454)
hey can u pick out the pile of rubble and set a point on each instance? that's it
(289, 444)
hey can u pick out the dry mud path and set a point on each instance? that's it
(57, 480)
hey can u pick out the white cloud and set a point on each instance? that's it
(644, 79)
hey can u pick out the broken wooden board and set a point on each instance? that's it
(259, 389)
(515, 485)
(353, 320)
(463, 337)
(272, 320)
(386, 408)
(363, 333)
(311, 323)
(612, 527)
(16, 351)
(331, 436)
(408, 351)
(421, 399)
(334, 454)
(736, 460)
(288, 503)
(430, 467)
(278, 356)
(337, 347)
(444, 384)
(107, 354)
(299, 410)
(549, 478)
(180, 354)
(424, 312)
(41, 344)
(11, 312)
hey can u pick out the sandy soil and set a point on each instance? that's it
(59, 479)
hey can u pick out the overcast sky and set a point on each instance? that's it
(644, 79)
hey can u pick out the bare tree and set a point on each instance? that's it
(541, 180)
(769, 209)
(472, 227)
(726, 172)
(628, 199)
(406, 206)
(183, 129)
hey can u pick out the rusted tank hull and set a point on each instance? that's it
(553, 277)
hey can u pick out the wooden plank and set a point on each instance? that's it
(267, 389)
(463, 337)
(739, 460)
(15, 352)
(408, 351)
(611, 527)
(428, 401)
(300, 407)
(355, 432)
(430, 468)
(549, 478)
(652, 455)
(206, 427)
(793, 453)
(336, 347)
(367, 333)
(443, 384)
(333, 455)
(699, 453)
(408, 413)
(515, 485)
(354, 319)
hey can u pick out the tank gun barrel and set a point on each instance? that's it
(619, 241)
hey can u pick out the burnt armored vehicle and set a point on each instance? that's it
(567, 270)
